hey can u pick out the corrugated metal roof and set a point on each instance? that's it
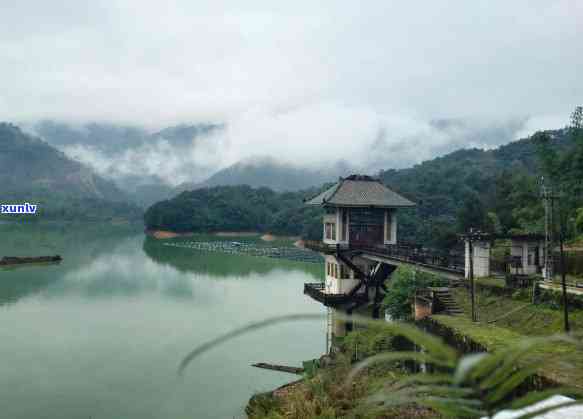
(360, 191)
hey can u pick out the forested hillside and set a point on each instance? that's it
(33, 171)
(237, 208)
(488, 189)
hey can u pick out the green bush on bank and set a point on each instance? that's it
(402, 286)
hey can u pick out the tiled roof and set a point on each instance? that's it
(360, 191)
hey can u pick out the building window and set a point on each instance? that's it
(330, 231)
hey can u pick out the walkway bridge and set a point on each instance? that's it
(450, 265)
(386, 259)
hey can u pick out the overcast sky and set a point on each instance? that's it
(290, 77)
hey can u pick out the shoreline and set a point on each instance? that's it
(266, 237)
(165, 234)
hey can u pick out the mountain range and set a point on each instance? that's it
(268, 172)
(33, 171)
(144, 164)
(155, 165)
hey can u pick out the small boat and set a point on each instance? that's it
(15, 260)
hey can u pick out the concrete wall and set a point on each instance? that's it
(339, 285)
(339, 216)
(337, 324)
(526, 251)
(390, 227)
(336, 219)
(481, 250)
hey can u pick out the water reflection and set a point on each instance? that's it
(78, 246)
(18, 283)
(125, 272)
(101, 334)
(221, 264)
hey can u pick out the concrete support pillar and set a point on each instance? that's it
(349, 325)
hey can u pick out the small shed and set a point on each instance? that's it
(527, 254)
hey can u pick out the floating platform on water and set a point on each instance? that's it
(15, 260)
(280, 368)
(243, 248)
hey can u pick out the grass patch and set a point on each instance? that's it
(491, 282)
(529, 320)
(325, 396)
(503, 321)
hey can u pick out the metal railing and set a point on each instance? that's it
(418, 255)
(316, 290)
(408, 253)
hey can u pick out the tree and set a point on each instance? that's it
(472, 214)
(577, 118)
(493, 224)
(579, 221)
(404, 282)
(548, 156)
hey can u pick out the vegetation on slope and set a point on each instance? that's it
(324, 395)
(374, 376)
(237, 208)
(494, 190)
(33, 171)
(505, 318)
(402, 286)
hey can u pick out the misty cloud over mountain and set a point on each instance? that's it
(247, 149)
(131, 156)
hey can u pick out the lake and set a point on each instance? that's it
(101, 334)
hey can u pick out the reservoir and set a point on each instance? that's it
(101, 334)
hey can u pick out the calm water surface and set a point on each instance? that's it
(101, 334)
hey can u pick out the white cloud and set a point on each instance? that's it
(172, 164)
(292, 79)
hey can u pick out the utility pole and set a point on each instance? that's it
(471, 274)
(563, 274)
(549, 202)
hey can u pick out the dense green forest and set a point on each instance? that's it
(237, 208)
(35, 172)
(493, 190)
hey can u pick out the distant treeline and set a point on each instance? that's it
(237, 208)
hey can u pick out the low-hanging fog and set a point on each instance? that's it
(377, 85)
